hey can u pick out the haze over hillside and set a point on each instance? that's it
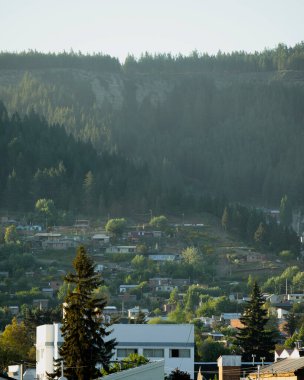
(226, 125)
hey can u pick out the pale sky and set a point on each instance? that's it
(122, 27)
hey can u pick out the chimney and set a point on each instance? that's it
(229, 367)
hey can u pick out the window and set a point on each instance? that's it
(153, 352)
(124, 352)
(179, 353)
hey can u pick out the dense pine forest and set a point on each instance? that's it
(42, 161)
(158, 131)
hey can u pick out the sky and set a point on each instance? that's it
(122, 27)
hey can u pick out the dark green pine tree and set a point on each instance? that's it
(84, 329)
(254, 337)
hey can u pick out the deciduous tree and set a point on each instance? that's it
(116, 226)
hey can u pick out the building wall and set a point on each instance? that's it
(229, 367)
(174, 340)
(44, 350)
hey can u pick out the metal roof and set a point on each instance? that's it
(284, 366)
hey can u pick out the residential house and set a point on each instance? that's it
(55, 285)
(287, 354)
(281, 309)
(209, 321)
(180, 282)
(273, 298)
(295, 297)
(135, 311)
(49, 292)
(60, 244)
(42, 304)
(253, 257)
(14, 310)
(157, 281)
(82, 223)
(169, 307)
(126, 288)
(99, 268)
(164, 288)
(121, 249)
(215, 336)
(163, 257)
(110, 312)
(227, 317)
(99, 240)
(144, 234)
(282, 313)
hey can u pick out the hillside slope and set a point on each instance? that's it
(227, 125)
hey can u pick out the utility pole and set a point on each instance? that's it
(21, 371)
(253, 357)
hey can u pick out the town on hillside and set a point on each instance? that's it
(176, 291)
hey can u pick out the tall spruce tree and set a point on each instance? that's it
(254, 338)
(84, 329)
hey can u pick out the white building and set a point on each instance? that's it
(134, 312)
(287, 354)
(126, 288)
(101, 238)
(48, 339)
(163, 258)
(165, 288)
(172, 343)
(295, 297)
(121, 249)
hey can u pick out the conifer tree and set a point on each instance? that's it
(84, 329)
(254, 337)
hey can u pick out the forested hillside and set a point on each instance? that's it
(230, 124)
(41, 161)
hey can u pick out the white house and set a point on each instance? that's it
(134, 312)
(126, 288)
(229, 316)
(172, 343)
(121, 249)
(295, 297)
(286, 354)
(282, 313)
(165, 288)
(163, 258)
(101, 239)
